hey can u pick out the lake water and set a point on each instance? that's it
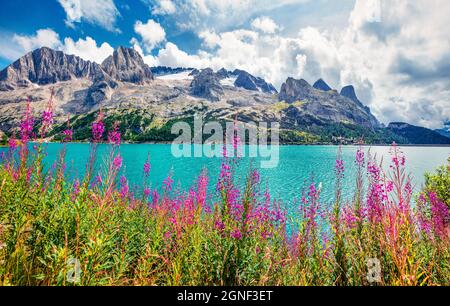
(296, 166)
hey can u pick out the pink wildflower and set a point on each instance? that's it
(98, 128)
(117, 162)
(236, 234)
(114, 135)
(12, 143)
(360, 157)
(167, 184)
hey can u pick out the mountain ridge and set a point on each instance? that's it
(124, 82)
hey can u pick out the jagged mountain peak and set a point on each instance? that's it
(127, 65)
(327, 106)
(206, 84)
(349, 92)
(247, 81)
(320, 84)
(47, 66)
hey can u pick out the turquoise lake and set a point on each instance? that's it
(297, 164)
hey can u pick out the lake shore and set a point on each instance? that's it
(281, 144)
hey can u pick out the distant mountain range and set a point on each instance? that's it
(445, 131)
(147, 100)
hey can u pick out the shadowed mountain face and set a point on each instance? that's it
(206, 84)
(321, 85)
(349, 92)
(247, 81)
(417, 134)
(327, 106)
(127, 65)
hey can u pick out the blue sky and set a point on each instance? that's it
(395, 52)
(26, 17)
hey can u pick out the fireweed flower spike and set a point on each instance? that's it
(114, 135)
(68, 132)
(26, 126)
(98, 128)
(47, 116)
(117, 162)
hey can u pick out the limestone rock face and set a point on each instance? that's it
(247, 81)
(328, 106)
(46, 66)
(321, 85)
(127, 65)
(206, 84)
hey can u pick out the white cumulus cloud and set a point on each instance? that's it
(164, 7)
(100, 12)
(87, 49)
(151, 32)
(42, 38)
(265, 24)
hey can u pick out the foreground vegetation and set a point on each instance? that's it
(99, 230)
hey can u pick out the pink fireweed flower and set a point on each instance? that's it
(167, 184)
(114, 135)
(218, 225)
(167, 235)
(117, 162)
(236, 234)
(312, 191)
(360, 157)
(147, 166)
(98, 180)
(389, 186)
(47, 117)
(68, 135)
(123, 187)
(12, 143)
(398, 158)
(76, 189)
(98, 128)
(155, 197)
(339, 167)
(440, 217)
(147, 192)
(26, 126)
(202, 187)
(255, 177)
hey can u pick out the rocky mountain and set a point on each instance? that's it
(206, 84)
(127, 65)
(163, 70)
(247, 81)
(417, 134)
(349, 92)
(148, 100)
(46, 66)
(321, 85)
(223, 73)
(325, 106)
(445, 131)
